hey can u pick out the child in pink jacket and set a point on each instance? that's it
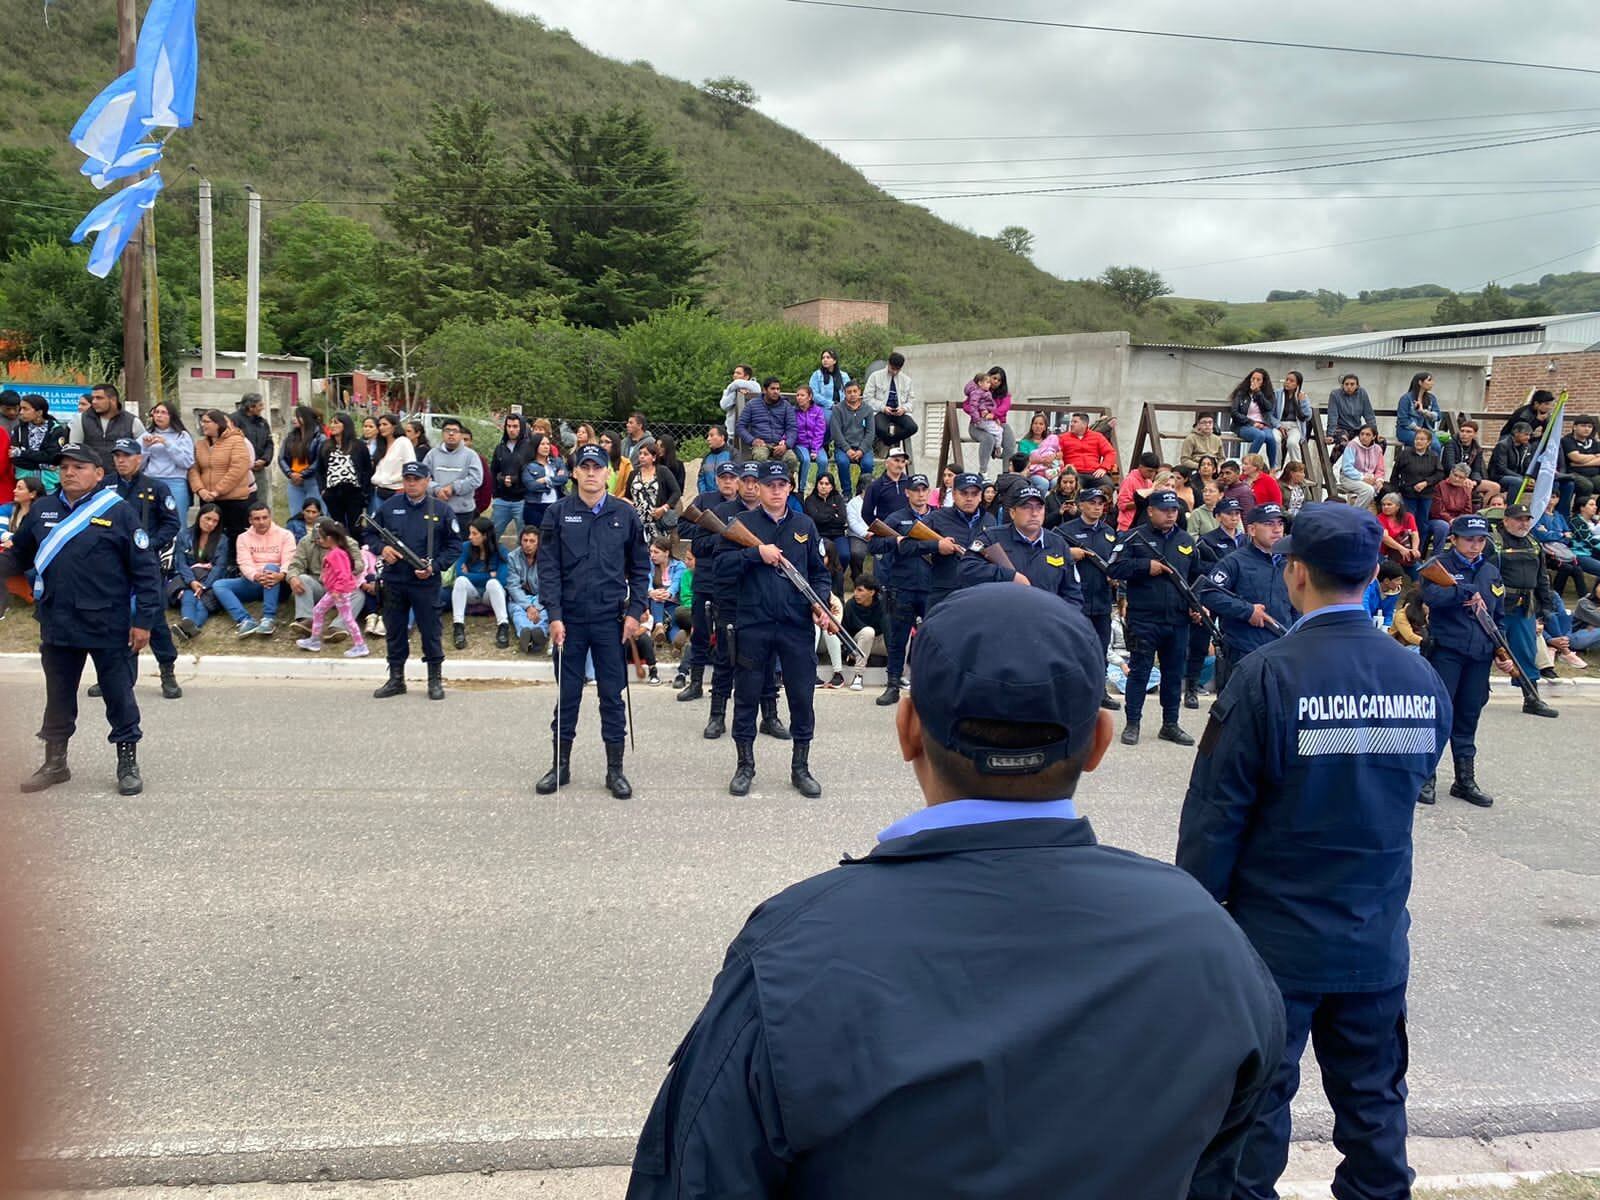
(339, 584)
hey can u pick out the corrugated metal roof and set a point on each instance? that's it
(1275, 349)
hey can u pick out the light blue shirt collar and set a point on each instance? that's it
(1330, 608)
(598, 508)
(979, 812)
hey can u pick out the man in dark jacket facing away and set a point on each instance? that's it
(251, 422)
(990, 1003)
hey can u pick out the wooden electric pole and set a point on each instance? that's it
(133, 328)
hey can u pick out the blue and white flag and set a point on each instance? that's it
(110, 126)
(143, 156)
(1545, 461)
(166, 65)
(115, 220)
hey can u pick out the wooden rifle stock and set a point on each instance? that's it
(993, 553)
(1435, 572)
(882, 529)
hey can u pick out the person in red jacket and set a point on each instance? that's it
(1253, 470)
(1087, 452)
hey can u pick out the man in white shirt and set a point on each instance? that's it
(890, 395)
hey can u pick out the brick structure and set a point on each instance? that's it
(829, 315)
(1515, 375)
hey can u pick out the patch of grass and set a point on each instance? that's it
(1558, 1187)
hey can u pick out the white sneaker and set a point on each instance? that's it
(855, 684)
(360, 651)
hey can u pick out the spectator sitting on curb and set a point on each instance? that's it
(528, 617)
(481, 574)
(263, 552)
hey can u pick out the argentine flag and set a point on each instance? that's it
(109, 127)
(115, 220)
(166, 65)
(1545, 462)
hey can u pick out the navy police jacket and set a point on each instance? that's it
(1099, 540)
(593, 567)
(1219, 543)
(946, 568)
(1451, 625)
(427, 526)
(88, 584)
(908, 562)
(723, 587)
(1253, 577)
(765, 595)
(1047, 563)
(154, 506)
(1154, 602)
(976, 1011)
(1298, 814)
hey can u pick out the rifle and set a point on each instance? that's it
(395, 544)
(1184, 590)
(992, 553)
(1271, 621)
(742, 535)
(1436, 572)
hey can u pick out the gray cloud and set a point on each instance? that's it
(832, 73)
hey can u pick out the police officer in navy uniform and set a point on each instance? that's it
(428, 528)
(1041, 556)
(725, 611)
(907, 579)
(1090, 540)
(1246, 591)
(159, 516)
(704, 547)
(1159, 620)
(920, 1022)
(1461, 650)
(775, 627)
(1213, 547)
(958, 527)
(594, 577)
(1298, 820)
(97, 595)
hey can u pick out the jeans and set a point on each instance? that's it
(179, 487)
(299, 493)
(192, 608)
(234, 592)
(841, 459)
(1522, 637)
(803, 456)
(1586, 639)
(1008, 445)
(520, 621)
(533, 514)
(505, 513)
(1260, 441)
(1431, 533)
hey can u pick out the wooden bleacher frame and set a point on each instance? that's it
(1150, 436)
(950, 453)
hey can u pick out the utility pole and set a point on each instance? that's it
(133, 325)
(404, 351)
(152, 292)
(327, 373)
(208, 288)
(252, 301)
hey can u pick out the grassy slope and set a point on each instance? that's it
(1304, 319)
(320, 98)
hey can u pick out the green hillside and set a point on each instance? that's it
(321, 99)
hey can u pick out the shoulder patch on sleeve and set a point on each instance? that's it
(141, 539)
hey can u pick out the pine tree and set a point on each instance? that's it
(621, 216)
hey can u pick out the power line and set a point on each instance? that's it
(1200, 37)
(1546, 263)
(1160, 133)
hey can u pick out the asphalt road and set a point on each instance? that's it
(339, 938)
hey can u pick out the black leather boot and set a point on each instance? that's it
(53, 771)
(1429, 792)
(891, 694)
(770, 725)
(1130, 734)
(718, 724)
(435, 681)
(502, 635)
(800, 771)
(94, 691)
(616, 781)
(460, 631)
(1172, 733)
(1536, 707)
(169, 683)
(695, 689)
(395, 685)
(1191, 693)
(745, 773)
(1466, 785)
(560, 772)
(1110, 703)
(129, 782)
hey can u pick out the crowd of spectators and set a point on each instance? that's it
(847, 445)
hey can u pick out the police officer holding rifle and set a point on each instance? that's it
(413, 533)
(904, 545)
(704, 546)
(1466, 611)
(1157, 568)
(1246, 592)
(1090, 541)
(1034, 556)
(774, 623)
(958, 528)
(594, 573)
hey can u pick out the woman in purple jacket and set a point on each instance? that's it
(810, 433)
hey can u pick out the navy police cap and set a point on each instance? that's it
(127, 446)
(1264, 512)
(727, 469)
(773, 471)
(916, 481)
(1341, 539)
(1228, 506)
(972, 667)
(592, 456)
(1470, 525)
(750, 470)
(415, 470)
(968, 479)
(81, 453)
(1025, 494)
(1165, 498)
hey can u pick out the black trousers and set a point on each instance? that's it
(1102, 626)
(904, 609)
(63, 670)
(161, 645)
(759, 646)
(601, 641)
(401, 601)
(699, 636)
(722, 668)
(345, 504)
(1145, 646)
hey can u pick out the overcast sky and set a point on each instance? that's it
(836, 74)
